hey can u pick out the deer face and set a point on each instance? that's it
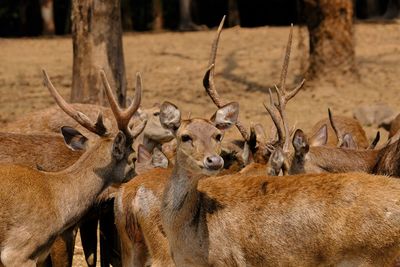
(199, 140)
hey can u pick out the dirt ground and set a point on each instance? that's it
(172, 66)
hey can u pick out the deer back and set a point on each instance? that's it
(344, 125)
(46, 152)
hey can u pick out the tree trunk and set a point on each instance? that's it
(330, 27)
(46, 10)
(233, 13)
(97, 44)
(158, 23)
(393, 10)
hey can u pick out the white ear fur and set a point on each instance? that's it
(170, 116)
(226, 116)
(320, 138)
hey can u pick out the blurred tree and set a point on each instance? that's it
(233, 13)
(46, 10)
(393, 10)
(97, 44)
(330, 27)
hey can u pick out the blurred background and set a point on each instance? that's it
(26, 17)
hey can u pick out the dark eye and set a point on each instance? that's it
(218, 137)
(186, 138)
(155, 114)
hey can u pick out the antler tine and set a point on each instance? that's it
(123, 116)
(275, 119)
(214, 46)
(208, 80)
(335, 129)
(283, 95)
(285, 65)
(97, 128)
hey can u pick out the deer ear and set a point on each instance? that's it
(73, 138)
(143, 155)
(159, 159)
(275, 162)
(226, 116)
(348, 142)
(300, 143)
(118, 148)
(320, 138)
(170, 116)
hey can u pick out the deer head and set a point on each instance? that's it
(199, 140)
(121, 165)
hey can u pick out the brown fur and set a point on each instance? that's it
(344, 125)
(43, 151)
(277, 200)
(237, 220)
(394, 126)
(383, 161)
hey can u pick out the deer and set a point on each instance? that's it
(52, 119)
(28, 228)
(134, 249)
(269, 221)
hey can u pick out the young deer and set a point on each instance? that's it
(37, 206)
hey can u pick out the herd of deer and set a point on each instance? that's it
(210, 202)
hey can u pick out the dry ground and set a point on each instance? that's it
(173, 64)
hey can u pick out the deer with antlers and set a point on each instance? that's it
(37, 206)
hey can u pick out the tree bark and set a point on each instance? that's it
(97, 44)
(233, 13)
(158, 22)
(330, 27)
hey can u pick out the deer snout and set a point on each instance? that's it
(213, 162)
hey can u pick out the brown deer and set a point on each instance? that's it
(52, 119)
(309, 220)
(138, 231)
(38, 206)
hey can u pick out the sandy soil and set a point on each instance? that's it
(173, 64)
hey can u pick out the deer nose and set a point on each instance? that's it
(213, 162)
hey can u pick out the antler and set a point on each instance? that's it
(123, 116)
(97, 128)
(284, 97)
(335, 129)
(208, 80)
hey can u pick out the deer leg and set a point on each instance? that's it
(109, 243)
(88, 232)
(62, 251)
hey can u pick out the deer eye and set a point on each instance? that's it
(186, 138)
(218, 137)
(155, 114)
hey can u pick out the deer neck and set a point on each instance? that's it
(77, 187)
(181, 212)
